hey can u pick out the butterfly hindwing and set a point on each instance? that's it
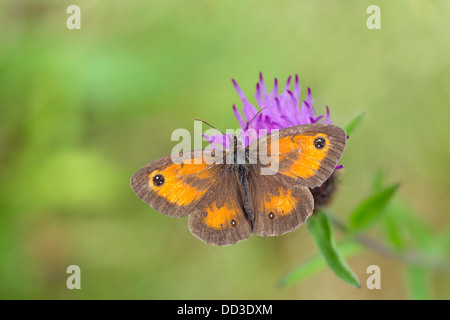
(220, 219)
(280, 204)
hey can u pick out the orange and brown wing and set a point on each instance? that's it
(219, 218)
(280, 205)
(306, 153)
(175, 188)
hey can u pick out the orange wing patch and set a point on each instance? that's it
(219, 218)
(182, 183)
(303, 154)
(279, 205)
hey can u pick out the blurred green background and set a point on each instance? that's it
(82, 110)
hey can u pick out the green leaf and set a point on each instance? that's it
(404, 229)
(351, 126)
(317, 263)
(320, 227)
(370, 209)
(393, 231)
(421, 232)
(408, 226)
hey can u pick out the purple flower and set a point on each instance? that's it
(281, 111)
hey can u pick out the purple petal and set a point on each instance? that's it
(249, 111)
(258, 96)
(239, 91)
(318, 119)
(239, 117)
(263, 86)
(288, 84)
(209, 138)
(282, 110)
(305, 114)
(275, 88)
(327, 120)
(218, 141)
(294, 101)
(308, 96)
(278, 105)
(296, 89)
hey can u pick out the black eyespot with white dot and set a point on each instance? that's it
(233, 223)
(271, 215)
(320, 143)
(205, 214)
(158, 180)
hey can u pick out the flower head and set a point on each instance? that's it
(281, 110)
(275, 111)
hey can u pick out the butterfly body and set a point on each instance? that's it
(241, 168)
(228, 201)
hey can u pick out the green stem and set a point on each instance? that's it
(409, 257)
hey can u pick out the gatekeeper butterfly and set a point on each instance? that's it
(226, 203)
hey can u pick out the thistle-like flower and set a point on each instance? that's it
(281, 110)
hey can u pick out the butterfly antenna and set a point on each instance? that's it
(196, 119)
(246, 127)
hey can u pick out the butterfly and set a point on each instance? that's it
(226, 202)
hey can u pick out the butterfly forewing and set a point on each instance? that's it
(175, 188)
(306, 153)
